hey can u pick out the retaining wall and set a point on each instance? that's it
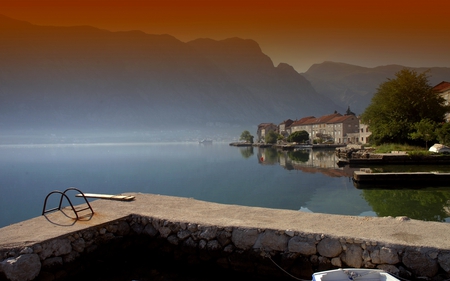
(239, 248)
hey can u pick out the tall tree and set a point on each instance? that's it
(246, 136)
(400, 103)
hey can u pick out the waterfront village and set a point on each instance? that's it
(334, 128)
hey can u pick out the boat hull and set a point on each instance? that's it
(345, 274)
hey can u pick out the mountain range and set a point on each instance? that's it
(354, 86)
(80, 77)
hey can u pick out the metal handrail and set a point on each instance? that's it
(63, 195)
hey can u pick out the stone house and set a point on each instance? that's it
(303, 124)
(341, 128)
(364, 133)
(443, 89)
(265, 128)
(333, 127)
(284, 127)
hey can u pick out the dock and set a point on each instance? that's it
(413, 179)
(238, 238)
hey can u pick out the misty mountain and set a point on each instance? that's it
(84, 77)
(354, 86)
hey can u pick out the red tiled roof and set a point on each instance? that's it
(302, 121)
(442, 87)
(326, 119)
(341, 119)
(287, 122)
(265, 125)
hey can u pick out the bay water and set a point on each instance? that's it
(303, 180)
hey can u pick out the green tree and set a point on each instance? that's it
(298, 136)
(443, 134)
(424, 130)
(400, 103)
(246, 136)
(271, 137)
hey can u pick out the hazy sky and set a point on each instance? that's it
(299, 32)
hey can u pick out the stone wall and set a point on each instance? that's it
(239, 249)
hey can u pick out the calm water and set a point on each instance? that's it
(301, 180)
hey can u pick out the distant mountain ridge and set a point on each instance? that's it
(83, 77)
(355, 86)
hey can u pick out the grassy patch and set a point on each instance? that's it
(419, 153)
(387, 148)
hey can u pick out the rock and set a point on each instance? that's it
(172, 239)
(444, 261)
(224, 237)
(26, 250)
(183, 234)
(302, 245)
(329, 247)
(208, 233)
(244, 238)
(290, 232)
(52, 262)
(213, 245)
(123, 228)
(336, 262)
(388, 256)
(137, 228)
(375, 256)
(272, 241)
(190, 243)
(420, 263)
(164, 231)
(55, 247)
(22, 268)
(202, 244)
(389, 268)
(79, 245)
(150, 230)
(353, 256)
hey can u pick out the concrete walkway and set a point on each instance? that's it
(401, 231)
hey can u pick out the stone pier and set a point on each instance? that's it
(237, 238)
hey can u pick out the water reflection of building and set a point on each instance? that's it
(308, 160)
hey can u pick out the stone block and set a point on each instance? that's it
(272, 241)
(302, 245)
(329, 247)
(56, 247)
(244, 238)
(22, 268)
(444, 260)
(420, 263)
(353, 256)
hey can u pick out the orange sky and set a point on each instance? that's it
(298, 32)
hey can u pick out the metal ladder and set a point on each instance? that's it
(63, 195)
